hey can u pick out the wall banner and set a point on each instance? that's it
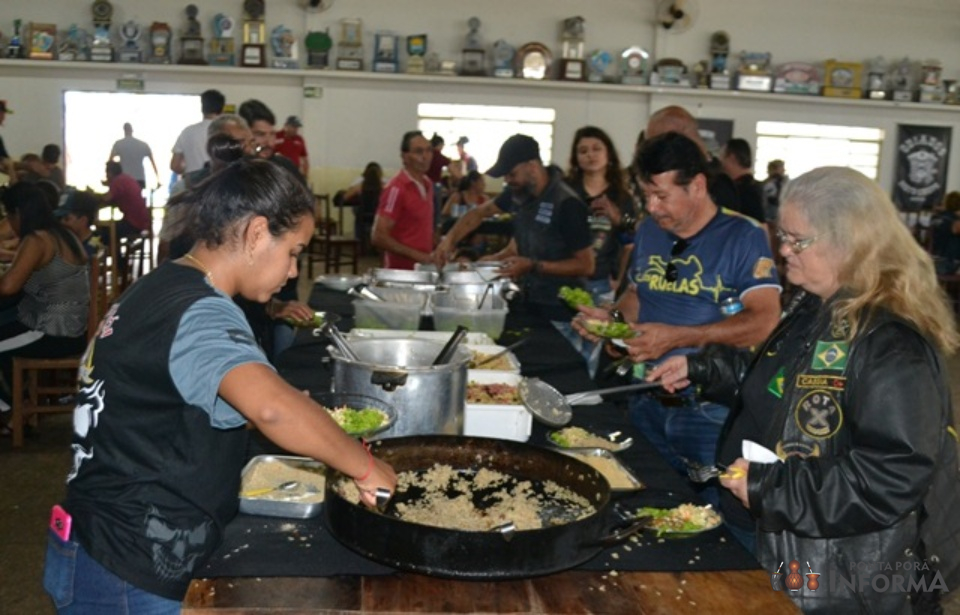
(922, 156)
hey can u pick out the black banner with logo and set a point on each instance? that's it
(922, 156)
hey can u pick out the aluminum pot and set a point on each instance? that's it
(471, 554)
(429, 399)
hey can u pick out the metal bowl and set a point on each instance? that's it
(339, 282)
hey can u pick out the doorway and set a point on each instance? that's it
(93, 121)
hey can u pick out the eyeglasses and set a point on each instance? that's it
(671, 272)
(796, 245)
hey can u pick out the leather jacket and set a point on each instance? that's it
(857, 427)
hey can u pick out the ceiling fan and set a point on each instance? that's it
(676, 16)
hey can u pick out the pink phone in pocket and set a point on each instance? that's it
(60, 522)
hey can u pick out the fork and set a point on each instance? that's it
(699, 473)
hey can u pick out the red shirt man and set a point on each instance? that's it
(403, 228)
(125, 193)
(291, 145)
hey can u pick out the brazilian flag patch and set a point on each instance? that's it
(776, 384)
(830, 355)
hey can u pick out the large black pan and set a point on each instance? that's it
(478, 555)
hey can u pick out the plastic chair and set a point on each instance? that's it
(41, 385)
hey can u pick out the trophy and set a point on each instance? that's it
(634, 66)
(534, 61)
(74, 45)
(102, 48)
(951, 93)
(318, 46)
(385, 52)
(130, 51)
(876, 79)
(284, 46)
(903, 81)
(931, 88)
(416, 49)
(797, 78)
(503, 58)
(191, 43)
(572, 65)
(431, 63)
(700, 74)
(15, 47)
(473, 57)
(221, 46)
(719, 50)
(754, 73)
(598, 63)
(350, 45)
(669, 72)
(43, 41)
(842, 79)
(159, 43)
(254, 34)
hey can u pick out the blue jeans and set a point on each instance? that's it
(690, 431)
(79, 585)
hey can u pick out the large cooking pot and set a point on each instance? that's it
(478, 555)
(429, 398)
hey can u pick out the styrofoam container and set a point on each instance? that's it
(452, 310)
(504, 421)
(382, 315)
(488, 350)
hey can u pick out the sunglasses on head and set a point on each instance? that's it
(671, 272)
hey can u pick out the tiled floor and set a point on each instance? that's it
(33, 480)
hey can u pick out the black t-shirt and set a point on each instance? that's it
(750, 193)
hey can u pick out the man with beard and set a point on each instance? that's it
(552, 245)
(691, 256)
(403, 226)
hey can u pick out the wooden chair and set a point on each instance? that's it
(110, 277)
(334, 249)
(39, 384)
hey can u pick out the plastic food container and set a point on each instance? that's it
(385, 315)
(453, 309)
(504, 421)
(260, 482)
(506, 363)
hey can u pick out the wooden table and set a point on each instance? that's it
(565, 593)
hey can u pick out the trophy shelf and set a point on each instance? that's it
(298, 77)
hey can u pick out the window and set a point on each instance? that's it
(487, 127)
(807, 146)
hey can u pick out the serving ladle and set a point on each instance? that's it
(550, 406)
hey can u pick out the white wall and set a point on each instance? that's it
(360, 120)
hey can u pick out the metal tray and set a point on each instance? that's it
(627, 476)
(271, 507)
(403, 276)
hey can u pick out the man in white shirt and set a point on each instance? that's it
(190, 150)
(131, 152)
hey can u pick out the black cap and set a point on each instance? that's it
(4, 108)
(294, 121)
(516, 149)
(80, 203)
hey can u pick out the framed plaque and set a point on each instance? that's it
(253, 56)
(797, 78)
(43, 41)
(533, 61)
(350, 45)
(842, 79)
(385, 53)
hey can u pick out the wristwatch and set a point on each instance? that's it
(617, 315)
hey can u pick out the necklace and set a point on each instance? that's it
(200, 265)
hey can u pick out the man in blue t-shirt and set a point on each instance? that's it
(690, 256)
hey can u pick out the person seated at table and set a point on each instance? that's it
(945, 235)
(850, 392)
(79, 213)
(124, 193)
(470, 193)
(167, 386)
(364, 195)
(50, 268)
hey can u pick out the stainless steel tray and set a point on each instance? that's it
(632, 483)
(403, 276)
(277, 503)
